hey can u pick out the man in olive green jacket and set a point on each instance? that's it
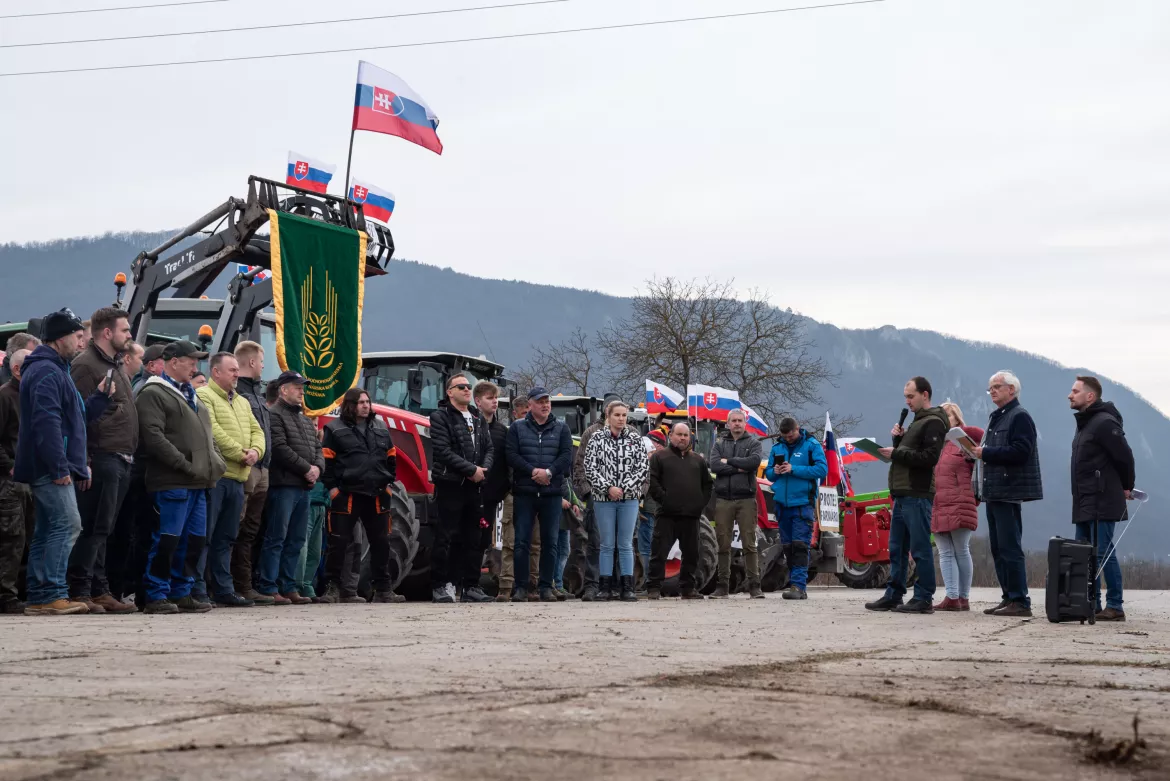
(240, 440)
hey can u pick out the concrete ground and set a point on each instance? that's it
(672, 690)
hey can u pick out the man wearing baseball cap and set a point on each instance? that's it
(152, 366)
(51, 457)
(182, 463)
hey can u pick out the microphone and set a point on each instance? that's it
(902, 417)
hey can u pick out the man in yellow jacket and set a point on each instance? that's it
(240, 440)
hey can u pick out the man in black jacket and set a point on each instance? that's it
(498, 483)
(681, 483)
(16, 510)
(297, 464)
(462, 449)
(735, 460)
(1102, 480)
(1010, 469)
(540, 452)
(359, 470)
(250, 356)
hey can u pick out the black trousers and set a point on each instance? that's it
(98, 507)
(129, 551)
(592, 547)
(373, 512)
(457, 552)
(667, 529)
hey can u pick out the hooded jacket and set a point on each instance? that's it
(737, 478)
(616, 462)
(455, 453)
(955, 506)
(52, 439)
(176, 439)
(116, 431)
(799, 487)
(680, 482)
(916, 454)
(1102, 465)
(233, 428)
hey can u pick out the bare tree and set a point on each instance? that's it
(683, 332)
(570, 366)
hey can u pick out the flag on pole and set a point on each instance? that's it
(850, 454)
(755, 424)
(660, 398)
(244, 268)
(307, 173)
(707, 402)
(377, 203)
(385, 103)
(831, 456)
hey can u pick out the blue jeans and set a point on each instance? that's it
(615, 524)
(58, 523)
(288, 525)
(562, 558)
(910, 534)
(526, 509)
(182, 527)
(225, 505)
(1112, 568)
(795, 525)
(1005, 532)
(645, 539)
(954, 559)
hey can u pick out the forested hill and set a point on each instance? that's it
(418, 306)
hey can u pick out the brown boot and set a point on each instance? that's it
(1014, 610)
(111, 605)
(1111, 614)
(296, 598)
(92, 607)
(60, 607)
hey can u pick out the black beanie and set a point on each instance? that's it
(61, 324)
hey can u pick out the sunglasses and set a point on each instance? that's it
(462, 386)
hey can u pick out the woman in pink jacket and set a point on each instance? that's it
(955, 515)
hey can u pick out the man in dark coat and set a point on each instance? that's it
(1010, 471)
(681, 484)
(463, 457)
(1102, 480)
(15, 498)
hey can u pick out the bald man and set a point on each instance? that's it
(681, 484)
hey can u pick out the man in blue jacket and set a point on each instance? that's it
(795, 466)
(51, 457)
(540, 451)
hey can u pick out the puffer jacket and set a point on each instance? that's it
(916, 454)
(955, 506)
(358, 460)
(295, 447)
(233, 427)
(455, 456)
(617, 462)
(1102, 465)
(117, 430)
(799, 487)
(737, 478)
(533, 445)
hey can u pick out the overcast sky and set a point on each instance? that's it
(993, 169)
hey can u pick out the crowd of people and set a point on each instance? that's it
(126, 485)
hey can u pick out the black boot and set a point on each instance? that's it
(886, 602)
(604, 590)
(628, 594)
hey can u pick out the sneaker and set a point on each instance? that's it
(949, 604)
(331, 596)
(520, 595)
(1014, 610)
(792, 592)
(111, 605)
(720, 592)
(1111, 614)
(440, 595)
(234, 600)
(295, 597)
(690, 593)
(652, 593)
(915, 605)
(12, 607)
(884, 603)
(58, 607)
(355, 599)
(991, 610)
(474, 594)
(755, 592)
(590, 593)
(280, 601)
(189, 604)
(260, 600)
(450, 588)
(547, 595)
(161, 607)
(91, 606)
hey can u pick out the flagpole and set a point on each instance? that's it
(349, 160)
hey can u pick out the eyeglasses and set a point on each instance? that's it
(462, 386)
(995, 387)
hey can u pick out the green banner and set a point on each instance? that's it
(318, 286)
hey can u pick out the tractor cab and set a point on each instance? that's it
(197, 319)
(416, 381)
(578, 412)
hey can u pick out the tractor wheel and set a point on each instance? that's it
(872, 574)
(403, 534)
(574, 575)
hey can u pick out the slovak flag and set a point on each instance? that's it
(386, 104)
(755, 424)
(836, 473)
(660, 398)
(706, 402)
(850, 454)
(244, 268)
(377, 203)
(308, 174)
